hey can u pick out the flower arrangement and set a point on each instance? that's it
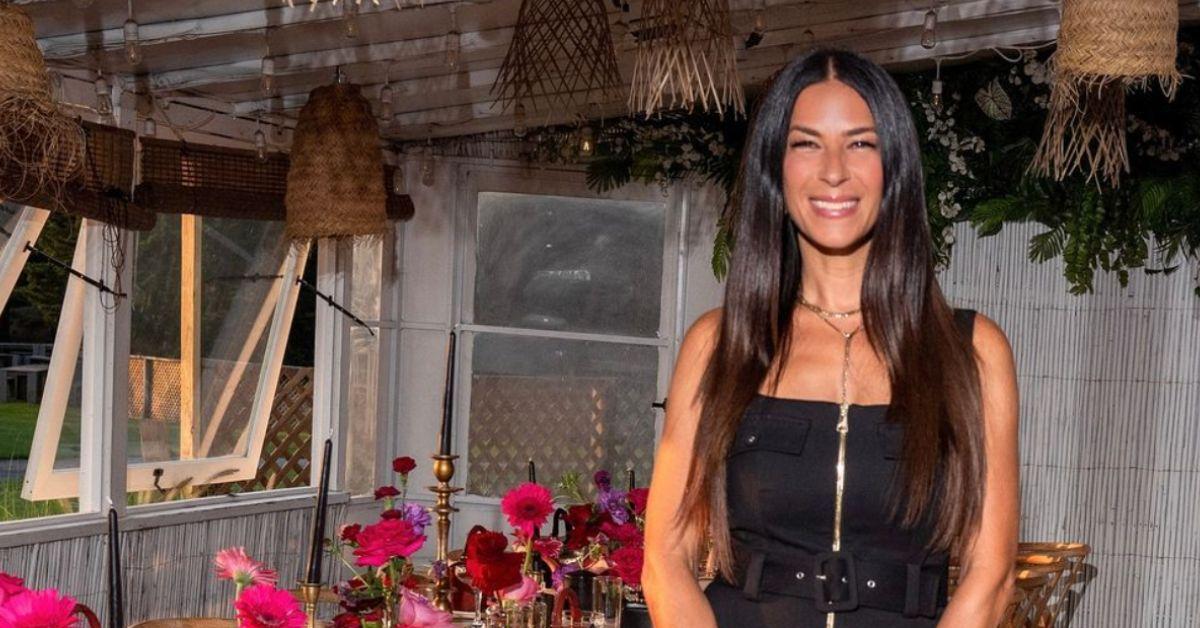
(607, 534)
(257, 602)
(381, 591)
(41, 608)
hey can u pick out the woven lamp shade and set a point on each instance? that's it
(335, 185)
(1105, 47)
(40, 149)
(217, 181)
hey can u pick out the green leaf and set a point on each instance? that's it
(722, 250)
(1047, 245)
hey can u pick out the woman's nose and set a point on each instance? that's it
(833, 168)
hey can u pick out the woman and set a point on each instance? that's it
(840, 430)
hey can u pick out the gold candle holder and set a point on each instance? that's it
(443, 472)
(310, 594)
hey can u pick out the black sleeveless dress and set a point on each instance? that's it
(780, 490)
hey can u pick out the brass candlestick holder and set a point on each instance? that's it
(443, 472)
(310, 594)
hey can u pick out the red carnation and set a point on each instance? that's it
(350, 532)
(584, 524)
(627, 562)
(386, 491)
(346, 620)
(391, 513)
(491, 566)
(638, 498)
(625, 535)
(404, 465)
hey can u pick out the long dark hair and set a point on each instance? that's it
(934, 378)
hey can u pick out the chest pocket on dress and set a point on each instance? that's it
(891, 440)
(768, 433)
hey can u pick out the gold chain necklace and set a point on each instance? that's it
(826, 314)
(843, 429)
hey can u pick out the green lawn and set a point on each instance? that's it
(12, 507)
(17, 420)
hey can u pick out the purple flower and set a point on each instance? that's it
(603, 480)
(614, 503)
(417, 515)
(559, 576)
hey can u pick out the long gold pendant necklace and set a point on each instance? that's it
(843, 426)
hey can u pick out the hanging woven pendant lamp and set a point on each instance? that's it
(40, 148)
(335, 182)
(1105, 47)
(686, 58)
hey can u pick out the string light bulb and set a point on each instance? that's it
(149, 127)
(587, 142)
(133, 47)
(268, 77)
(104, 104)
(453, 41)
(519, 125)
(427, 172)
(260, 142)
(350, 19)
(399, 185)
(385, 103)
(929, 30)
(936, 89)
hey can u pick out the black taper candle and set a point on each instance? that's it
(116, 590)
(312, 573)
(448, 400)
(532, 472)
(632, 479)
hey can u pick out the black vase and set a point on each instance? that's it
(581, 583)
(636, 616)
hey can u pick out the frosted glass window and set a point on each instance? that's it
(570, 405)
(569, 264)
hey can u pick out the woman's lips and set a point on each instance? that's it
(828, 208)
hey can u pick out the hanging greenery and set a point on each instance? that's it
(976, 147)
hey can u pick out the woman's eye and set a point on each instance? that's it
(863, 144)
(803, 144)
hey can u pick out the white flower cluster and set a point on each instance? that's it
(1156, 142)
(942, 130)
(1030, 67)
(948, 206)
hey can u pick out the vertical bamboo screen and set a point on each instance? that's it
(1110, 422)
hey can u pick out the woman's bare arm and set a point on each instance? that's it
(669, 575)
(986, 578)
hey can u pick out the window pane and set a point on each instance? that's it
(27, 330)
(569, 264)
(234, 279)
(363, 386)
(570, 405)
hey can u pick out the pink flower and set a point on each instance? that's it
(233, 563)
(10, 586)
(388, 539)
(522, 592)
(527, 506)
(548, 547)
(38, 609)
(264, 606)
(417, 612)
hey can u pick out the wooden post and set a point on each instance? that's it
(189, 334)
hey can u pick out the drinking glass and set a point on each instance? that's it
(607, 602)
(464, 576)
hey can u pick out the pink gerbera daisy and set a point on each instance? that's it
(234, 564)
(38, 609)
(264, 606)
(10, 586)
(527, 506)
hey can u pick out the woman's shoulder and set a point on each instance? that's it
(987, 336)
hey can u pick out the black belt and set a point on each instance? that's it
(837, 581)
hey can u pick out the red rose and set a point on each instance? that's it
(391, 513)
(491, 566)
(627, 562)
(584, 524)
(386, 491)
(404, 465)
(638, 498)
(388, 539)
(625, 535)
(350, 532)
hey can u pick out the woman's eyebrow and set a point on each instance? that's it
(855, 131)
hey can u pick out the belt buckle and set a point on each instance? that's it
(835, 585)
